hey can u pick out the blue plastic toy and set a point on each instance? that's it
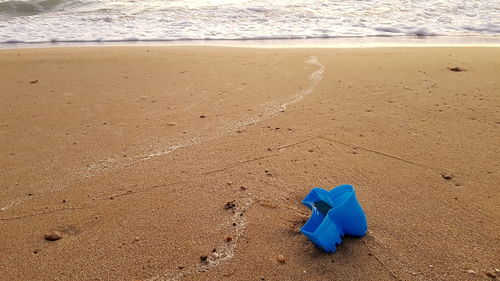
(335, 213)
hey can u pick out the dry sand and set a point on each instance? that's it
(131, 154)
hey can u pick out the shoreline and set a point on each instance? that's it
(340, 42)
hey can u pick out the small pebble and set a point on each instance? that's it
(281, 258)
(229, 239)
(446, 176)
(491, 274)
(203, 116)
(171, 123)
(470, 271)
(203, 258)
(243, 188)
(52, 236)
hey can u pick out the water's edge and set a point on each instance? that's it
(337, 42)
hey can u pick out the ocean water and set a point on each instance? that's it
(155, 20)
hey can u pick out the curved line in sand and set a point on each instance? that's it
(271, 109)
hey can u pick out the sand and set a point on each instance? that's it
(132, 154)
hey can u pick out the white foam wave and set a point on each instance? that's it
(155, 20)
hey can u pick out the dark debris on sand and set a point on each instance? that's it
(230, 205)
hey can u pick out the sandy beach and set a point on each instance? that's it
(132, 155)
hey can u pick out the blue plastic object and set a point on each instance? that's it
(335, 213)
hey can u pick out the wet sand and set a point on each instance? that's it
(132, 153)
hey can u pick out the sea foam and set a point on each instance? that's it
(155, 20)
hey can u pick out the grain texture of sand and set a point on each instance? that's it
(190, 163)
